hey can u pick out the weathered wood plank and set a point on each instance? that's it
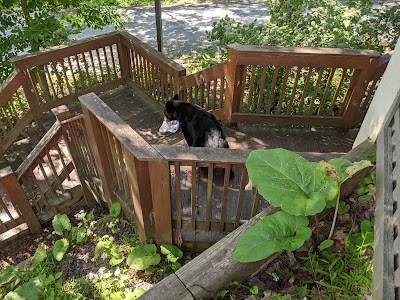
(128, 137)
(215, 268)
(151, 54)
(302, 56)
(222, 155)
(17, 197)
(70, 49)
(173, 289)
(9, 87)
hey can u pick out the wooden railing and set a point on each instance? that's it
(149, 69)
(297, 86)
(130, 170)
(172, 192)
(58, 76)
(206, 88)
(15, 112)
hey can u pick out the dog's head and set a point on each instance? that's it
(170, 109)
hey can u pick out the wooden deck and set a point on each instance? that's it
(146, 119)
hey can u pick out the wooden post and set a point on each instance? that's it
(124, 59)
(159, 25)
(29, 91)
(161, 196)
(234, 76)
(14, 192)
(93, 130)
(357, 95)
(61, 113)
(141, 195)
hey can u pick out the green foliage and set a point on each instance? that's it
(40, 256)
(135, 294)
(106, 245)
(60, 248)
(7, 275)
(32, 290)
(290, 182)
(359, 242)
(142, 257)
(34, 25)
(325, 244)
(274, 233)
(300, 188)
(338, 275)
(173, 254)
(343, 208)
(355, 24)
(60, 223)
(115, 209)
(365, 189)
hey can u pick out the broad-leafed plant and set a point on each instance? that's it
(300, 189)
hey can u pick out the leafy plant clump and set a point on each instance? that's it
(337, 268)
(300, 188)
(93, 259)
(353, 24)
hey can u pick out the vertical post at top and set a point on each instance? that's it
(234, 74)
(357, 95)
(19, 200)
(159, 25)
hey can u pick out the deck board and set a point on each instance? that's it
(146, 120)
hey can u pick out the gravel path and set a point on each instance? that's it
(184, 25)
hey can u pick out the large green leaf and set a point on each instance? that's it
(60, 248)
(290, 182)
(115, 209)
(143, 256)
(31, 290)
(40, 255)
(7, 274)
(274, 233)
(172, 252)
(61, 222)
(345, 168)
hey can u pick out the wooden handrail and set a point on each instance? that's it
(55, 53)
(203, 76)
(32, 157)
(154, 56)
(302, 56)
(10, 86)
(122, 131)
(222, 155)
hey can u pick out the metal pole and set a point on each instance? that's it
(159, 25)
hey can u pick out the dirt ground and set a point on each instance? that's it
(282, 276)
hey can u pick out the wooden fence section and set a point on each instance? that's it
(16, 213)
(48, 177)
(205, 201)
(15, 112)
(297, 86)
(150, 69)
(130, 170)
(58, 76)
(205, 88)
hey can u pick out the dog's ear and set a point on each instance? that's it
(176, 97)
(169, 106)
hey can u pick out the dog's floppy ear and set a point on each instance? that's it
(176, 97)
